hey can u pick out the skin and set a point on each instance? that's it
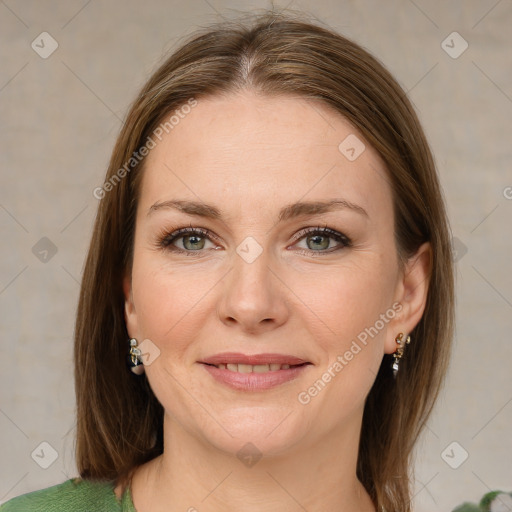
(250, 155)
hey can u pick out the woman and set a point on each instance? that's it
(272, 255)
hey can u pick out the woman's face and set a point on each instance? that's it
(269, 278)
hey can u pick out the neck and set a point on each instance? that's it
(194, 476)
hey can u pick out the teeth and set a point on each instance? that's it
(261, 368)
(256, 368)
(244, 368)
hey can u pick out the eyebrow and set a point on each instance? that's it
(287, 212)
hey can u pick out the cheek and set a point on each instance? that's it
(167, 302)
(355, 305)
(351, 298)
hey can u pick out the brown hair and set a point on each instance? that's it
(119, 420)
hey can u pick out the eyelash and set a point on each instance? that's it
(165, 239)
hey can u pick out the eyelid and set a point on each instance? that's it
(174, 234)
(324, 230)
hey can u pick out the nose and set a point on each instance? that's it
(253, 296)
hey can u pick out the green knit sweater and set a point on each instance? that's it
(74, 495)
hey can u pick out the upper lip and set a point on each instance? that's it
(254, 359)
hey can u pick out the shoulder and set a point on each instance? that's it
(73, 495)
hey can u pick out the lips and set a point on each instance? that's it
(254, 372)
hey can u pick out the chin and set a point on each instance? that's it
(265, 430)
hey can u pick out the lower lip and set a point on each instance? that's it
(254, 381)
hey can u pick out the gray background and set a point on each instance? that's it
(59, 118)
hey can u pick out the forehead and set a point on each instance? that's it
(249, 150)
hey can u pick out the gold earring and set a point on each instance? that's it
(399, 351)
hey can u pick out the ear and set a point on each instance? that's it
(411, 293)
(130, 315)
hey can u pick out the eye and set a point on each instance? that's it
(319, 240)
(186, 240)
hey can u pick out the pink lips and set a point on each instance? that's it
(254, 381)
